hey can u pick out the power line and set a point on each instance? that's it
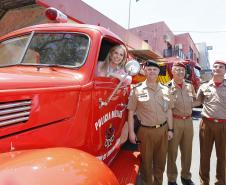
(183, 31)
(194, 31)
(191, 31)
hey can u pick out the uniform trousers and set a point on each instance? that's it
(211, 132)
(225, 158)
(183, 136)
(153, 148)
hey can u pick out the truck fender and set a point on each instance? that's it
(58, 166)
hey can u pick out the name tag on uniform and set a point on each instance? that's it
(143, 97)
(207, 92)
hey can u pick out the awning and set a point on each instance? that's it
(144, 54)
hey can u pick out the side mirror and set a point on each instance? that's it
(132, 68)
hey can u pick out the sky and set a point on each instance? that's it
(203, 19)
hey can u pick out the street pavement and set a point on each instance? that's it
(195, 159)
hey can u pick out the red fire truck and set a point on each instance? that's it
(60, 123)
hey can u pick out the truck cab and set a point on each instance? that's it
(51, 96)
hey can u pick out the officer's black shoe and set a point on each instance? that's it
(172, 183)
(187, 181)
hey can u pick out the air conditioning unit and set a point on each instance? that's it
(178, 46)
(166, 38)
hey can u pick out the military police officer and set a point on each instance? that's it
(213, 124)
(151, 102)
(183, 95)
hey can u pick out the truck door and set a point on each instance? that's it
(108, 118)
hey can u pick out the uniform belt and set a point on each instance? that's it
(216, 120)
(156, 126)
(181, 117)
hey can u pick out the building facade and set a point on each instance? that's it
(164, 42)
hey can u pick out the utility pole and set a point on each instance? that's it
(129, 15)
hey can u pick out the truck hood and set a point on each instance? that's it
(23, 77)
(32, 98)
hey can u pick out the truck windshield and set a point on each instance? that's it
(61, 49)
(66, 49)
(11, 50)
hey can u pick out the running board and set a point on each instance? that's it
(126, 167)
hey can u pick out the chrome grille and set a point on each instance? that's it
(14, 112)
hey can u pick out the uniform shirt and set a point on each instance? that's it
(150, 103)
(213, 99)
(182, 98)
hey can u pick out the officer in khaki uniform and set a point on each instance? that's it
(213, 124)
(183, 94)
(152, 104)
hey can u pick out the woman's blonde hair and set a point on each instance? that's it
(107, 59)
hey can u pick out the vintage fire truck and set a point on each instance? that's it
(60, 123)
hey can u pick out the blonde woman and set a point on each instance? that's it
(113, 65)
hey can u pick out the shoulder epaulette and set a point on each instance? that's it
(163, 86)
(137, 85)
